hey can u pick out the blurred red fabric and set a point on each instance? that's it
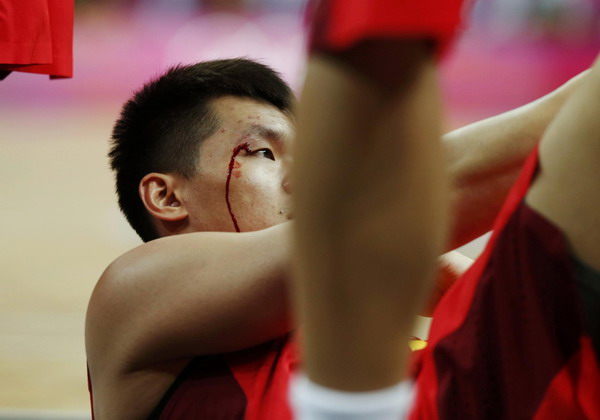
(36, 36)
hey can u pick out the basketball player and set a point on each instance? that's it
(195, 322)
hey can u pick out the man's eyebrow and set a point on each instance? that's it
(270, 133)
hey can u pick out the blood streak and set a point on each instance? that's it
(232, 164)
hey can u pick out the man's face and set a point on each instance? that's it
(253, 139)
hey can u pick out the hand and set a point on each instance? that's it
(452, 266)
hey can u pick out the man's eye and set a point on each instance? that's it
(265, 153)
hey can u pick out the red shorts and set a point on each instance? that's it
(511, 338)
(338, 24)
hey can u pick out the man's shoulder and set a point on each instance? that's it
(136, 271)
(143, 261)
(187, 295)
(124, 271)
(184, 296)
(118, 291)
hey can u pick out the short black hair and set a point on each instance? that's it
(160, 128)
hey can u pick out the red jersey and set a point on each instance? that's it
(337, 24)
(36, 36)
(250, 384)
(511, 339)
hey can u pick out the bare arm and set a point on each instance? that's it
(188, 295)
(195, 294)
(567, 188)
(485, 159)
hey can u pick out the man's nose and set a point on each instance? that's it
(287, 184)
(287, 175)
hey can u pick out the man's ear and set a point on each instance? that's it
(161, 198)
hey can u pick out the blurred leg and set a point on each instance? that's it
(370, 208)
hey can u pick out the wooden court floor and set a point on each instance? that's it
(60, 227)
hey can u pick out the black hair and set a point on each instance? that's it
(160, 128)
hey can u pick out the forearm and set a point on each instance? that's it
(370, 219)
(485, 158)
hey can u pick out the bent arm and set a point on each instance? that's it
(485, 159)
(188, 295)
(567, 188)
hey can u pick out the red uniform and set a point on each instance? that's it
(36, 36)
(249, 384)
(340, 23)
(514, 338)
